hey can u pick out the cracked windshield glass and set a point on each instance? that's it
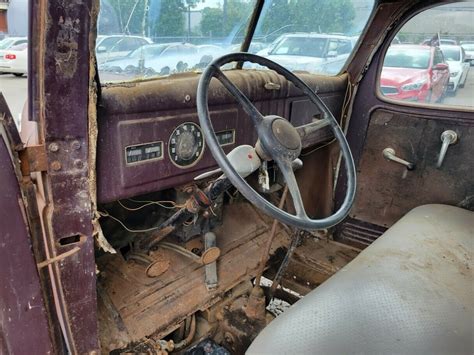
(141, 39)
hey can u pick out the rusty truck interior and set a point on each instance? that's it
(242, 205)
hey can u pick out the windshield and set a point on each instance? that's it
(146, 39)
(407, 58)
(304, 46)
(5, 43)
(453, 54)
(468, 47)
(149, 51)
(316, 36)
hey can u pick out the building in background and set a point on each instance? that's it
(16, 17)
(3, 16)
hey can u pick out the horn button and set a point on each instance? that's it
(286, 134)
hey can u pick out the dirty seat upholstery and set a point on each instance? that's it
(410, 292)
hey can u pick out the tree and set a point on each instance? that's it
(171, 20)
(211, 22)
(128, 13)
(323, 15)
(275, 15)
(220, 22)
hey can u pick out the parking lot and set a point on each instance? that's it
(15, 91)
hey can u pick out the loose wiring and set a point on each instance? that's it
(150, 203)
(106, 214)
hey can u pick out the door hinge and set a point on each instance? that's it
(33, 159)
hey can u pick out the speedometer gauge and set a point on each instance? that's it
(186, 145)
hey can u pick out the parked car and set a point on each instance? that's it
(9, 42)
(313, 52)
(163, 58)
(436, 41)
(255, 47)
(469, 51)
(15, 60)
(458, 68)
(414, 73)
(449, 42)
(118, 46)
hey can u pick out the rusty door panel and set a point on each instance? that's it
(24, 326)
(396, 190)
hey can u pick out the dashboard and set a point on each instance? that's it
(152, 152)
(149, 138)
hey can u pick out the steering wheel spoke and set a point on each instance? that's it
(286, 168)
(247, 105)
(315, 132)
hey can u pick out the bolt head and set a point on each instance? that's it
(56, 165)
(53, 147)
(76, 145)
(78, 164)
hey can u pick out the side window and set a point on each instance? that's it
(344, 47)
(173, 50)
(126, 44)
(109, 43)
(427, 65)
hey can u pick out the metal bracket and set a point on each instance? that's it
(33, 159)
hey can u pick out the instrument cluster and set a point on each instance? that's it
(185, 146)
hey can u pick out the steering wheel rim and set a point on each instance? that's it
(264, 124)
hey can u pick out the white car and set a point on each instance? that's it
(117, 46)
(458, 68)
(8, 42)
(15, 60)
(469, 50)
(312, 52)
(162, 59)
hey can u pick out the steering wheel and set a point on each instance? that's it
(278, 139)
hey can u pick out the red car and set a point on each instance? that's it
(414, 73)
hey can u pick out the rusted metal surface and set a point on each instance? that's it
(33, 159)
(59, 80)
(155, 307)
(24, 324)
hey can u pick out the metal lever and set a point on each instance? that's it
(447, 137)
(389, 154)
(211, 268)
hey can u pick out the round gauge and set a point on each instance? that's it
(186, 145)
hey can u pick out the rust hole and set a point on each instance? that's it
(76, 238)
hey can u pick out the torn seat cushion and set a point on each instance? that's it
(410, 292)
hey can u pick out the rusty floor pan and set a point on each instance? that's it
(140, 306)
